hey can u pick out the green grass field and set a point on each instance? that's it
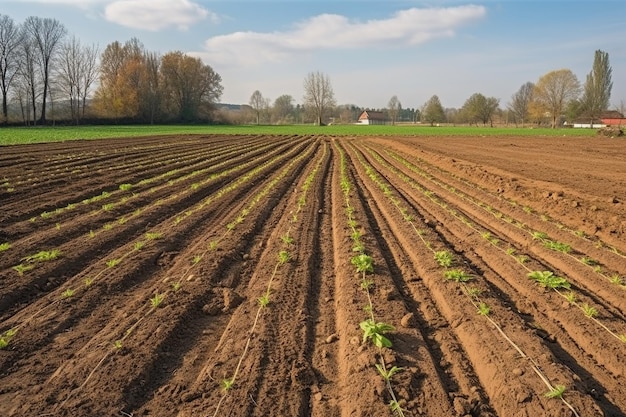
(25, 135)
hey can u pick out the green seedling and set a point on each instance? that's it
(21, 268)
(363, 263)
(125, 187)
(67, 293)
(176, 286)
(589, 311)
(394, 405)
(444, 258)
(264, 300)
(556, 392)
(570, 297)
(112, 263)
(43, 256)
(117, 344)
(92, 234)
(5, 246)
(616, 279)
(522, 259)
(88, 282)
(6, 337)
(213, 245)
(483, 309)
(154, 235)
(375, 332)
(358, 247)
(622, 337)
(107, 207)
(528, 209)
(547, 279)
(387, 374)
(108, 226)
(227, 384)
(283, 257)
(473, 291)
(366, 284)
(588, 261)
(197, 258)
(557, 246)
(138, 246)
(287, 240)
(540, 235)
(510, 252)
(157, 300)
(457, 275)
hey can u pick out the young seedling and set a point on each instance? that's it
(570, 297)
(5, 246)
(547, 279)
(176, 286)
(117, 344)
(154, 235)
(157, 300)
(375, 332)
(457, 275)
(483, 309)
(6, 337)
(589, 311)
(67, 293)
(227, 384)
(556, 392)
(444, 258)
(264, 300)
(125, 187)
(196, 259)
(557, 246)
(283, 257)
(43, 256)
(21, 268)
(473, 291)
(138, 246)
(616, 280)
(540, 235)
(387, 374)
(88, 282)
(363, 263)
(287, 240)
(112, 263)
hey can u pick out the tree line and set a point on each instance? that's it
(556, 96)
(44, 71)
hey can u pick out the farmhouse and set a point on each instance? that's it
(369, 117)
(609, 118)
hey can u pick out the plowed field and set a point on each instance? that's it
(237, 276)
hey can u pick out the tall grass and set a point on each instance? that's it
(26, 135)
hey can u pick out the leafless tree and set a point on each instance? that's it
(394, 108)
(318, 95)
(258, 104)
(46, 35)
(10, 39)
(520, 102)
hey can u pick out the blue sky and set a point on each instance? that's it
(370, 50)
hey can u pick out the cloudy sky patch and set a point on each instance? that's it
(155, 15)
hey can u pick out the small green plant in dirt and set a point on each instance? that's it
(138, 246)
(117, 344)
(376, 333)
(556, 392)
(287, 240)
(589, 311)
(444, 258)
(616, 280)
(92, 234)
(157, 300)
(283, 257)
(522, 259)
(5, 246)
(176, 286)
(588, 261)
(483, 309)
(154, 235)
(457, 275)
(622, 337)
(43, 256)
(547, 279)
(387, 374)
(227, 384)
(570, 297)
(88, 282)
(196, 259)
(6, 337)
(112, 263)
(557, 246)
(21, 268)
(264, 300)
(540, 235)
(125, 187)
(363, 263)
(474, 292)
(67, 293)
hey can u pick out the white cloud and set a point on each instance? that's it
(330, 31)
(156, 15)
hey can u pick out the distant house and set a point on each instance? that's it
(609, 118)
(369, 117)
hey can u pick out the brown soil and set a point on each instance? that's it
(200, 222)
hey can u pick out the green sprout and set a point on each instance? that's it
(157, 300)
(547, 279)
(283, 257)
(556, 392)
(444, 258)
(589, 311)
(457, 275)
(483, 309)
(363, 263)
(6, 337)
(375, 332)
(387, 374)
(67, 293)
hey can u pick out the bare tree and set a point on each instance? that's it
(282, 110)
(150, 90)
(29, 79)
(597, 89)
(520, 102)
(257, 102)
(394, 108)
(318, 95)
(554, 91)
(46, 34)
(10, 39)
